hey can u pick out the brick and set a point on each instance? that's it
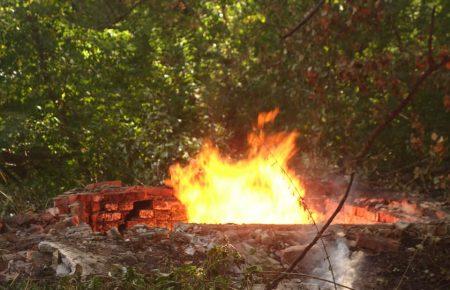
(377, 244)
(111, 206)
(109, 217)
(95, 206)
(178, 215)
(162, 214)
(386, 217)
(164, 204)
(125, 206)
(146, 213)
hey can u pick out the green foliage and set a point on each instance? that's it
(97, 90)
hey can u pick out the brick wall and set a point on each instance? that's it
(109, 204)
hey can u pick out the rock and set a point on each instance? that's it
(190, 250)
(114, 234)
(377, 244)
(402, 225)
(128, 258)
(35, 229)
(181, 237)
(54, 211)
(74, 259)
(19, 266)
(23, 219)
(67, 222)
(37, 258)
(440, 214)
(80, 231)
(12, 256)
(288, 255)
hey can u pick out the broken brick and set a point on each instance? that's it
(111, 206)
(146, 213)
(109, 217)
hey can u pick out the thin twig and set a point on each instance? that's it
(307, 17)
(359, 157)
(409, 265)
(303, 203)
(309, 276)
(283, 275)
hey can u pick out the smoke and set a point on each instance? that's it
(345, 265)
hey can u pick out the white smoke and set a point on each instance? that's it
(345, 265)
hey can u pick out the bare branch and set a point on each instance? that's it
(283, 275)
(310, 277)
(393, 114)
(306, 19)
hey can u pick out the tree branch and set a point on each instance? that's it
(432, 67)
(393, 114)
(319, 234)
(306, 19)
(310, 277)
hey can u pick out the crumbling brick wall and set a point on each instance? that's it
(109, 204)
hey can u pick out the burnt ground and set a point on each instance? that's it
(47, 247)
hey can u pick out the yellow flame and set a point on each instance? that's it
(258, 189)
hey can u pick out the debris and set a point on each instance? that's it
(72, 259)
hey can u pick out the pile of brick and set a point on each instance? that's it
(110, 204)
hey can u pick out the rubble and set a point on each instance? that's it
(109, 205)
(138, 230)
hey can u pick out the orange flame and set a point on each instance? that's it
(258, 189)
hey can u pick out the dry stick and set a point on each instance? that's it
(308, 211)
(311, 277)
(306, 19)
(283, 275)
(409, 265)
(432, 68)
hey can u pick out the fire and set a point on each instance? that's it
(257, 189)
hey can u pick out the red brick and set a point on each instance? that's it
(179, 215)
(111, 206)
(386, 217)
(165, 204)
(146, 213)
(162, 214)
(95, 206)
(126, 206)
(109, 217)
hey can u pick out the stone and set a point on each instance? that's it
(290, 254)
(402, 225)
(114, 234)
(54, 211)
(76, 261)
(377, 244)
